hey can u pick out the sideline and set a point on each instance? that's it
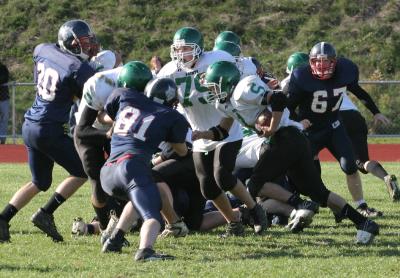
(382, 152)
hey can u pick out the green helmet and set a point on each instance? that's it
(221, 79)
(230, 47)
(227, 36)
(187, 37)
(296, 60)
(134, 75)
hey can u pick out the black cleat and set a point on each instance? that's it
(148, 254)
(259, 219)
(45, 222)
(393, 187)
(233, 229)
(114, 245)
(4, 231)
(366, 232)
(368, 212)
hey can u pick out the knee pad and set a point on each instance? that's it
(360, 166)
(210, 194)
(44, 185)
(349, 167)
(224, 179)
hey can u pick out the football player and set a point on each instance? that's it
(244, 64)
(297, 59)
(357, 130)
(140, 126)
(251, 102)
(60, 71)
(214, 157)
(90, 134)
(318, 90)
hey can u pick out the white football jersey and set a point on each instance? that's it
(347, 104)
(246, 67)
(249, 153)
(192, 98)
(96, 91)
(285, 85)
(246, 103)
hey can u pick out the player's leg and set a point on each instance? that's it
(116, 240)
(204, 167)
(59, 147)
(357, 130)
(341, 148)
(224, 163)
(92, 157)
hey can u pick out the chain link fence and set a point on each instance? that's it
(383, 92)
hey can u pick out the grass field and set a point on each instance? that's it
(324, 250)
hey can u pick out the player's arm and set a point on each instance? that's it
(215, 133)
(103, 118)
(84, 128)
(294, 96)
(366, 99)
(180, 149)
(278, 102)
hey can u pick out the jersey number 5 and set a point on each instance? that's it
(127, 118)
(320, 104)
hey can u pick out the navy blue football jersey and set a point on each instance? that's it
(142, 124)
(320, 100)
(59, 77)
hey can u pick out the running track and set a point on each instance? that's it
(380, 152)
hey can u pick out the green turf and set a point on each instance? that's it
(324, 250)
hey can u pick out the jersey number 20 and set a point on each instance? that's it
(47, 82)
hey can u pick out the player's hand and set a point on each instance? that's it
(266, 131)
(306, 123)
(380, 118)
(273, 84)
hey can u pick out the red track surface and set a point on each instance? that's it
(380, 152)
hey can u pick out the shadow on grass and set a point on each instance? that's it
(44, 269)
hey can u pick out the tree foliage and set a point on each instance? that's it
(365, 31)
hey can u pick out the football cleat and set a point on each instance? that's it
(148, 254)
(79, 227)
(114, 245)
(369, 212)
(259, 219)
(300, 219)
(106, 234)
(45, 222)
(178, 229)
(393, 187)
(366, 232)
(233, 229)
(4, 231)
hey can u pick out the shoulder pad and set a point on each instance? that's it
(346, 71)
